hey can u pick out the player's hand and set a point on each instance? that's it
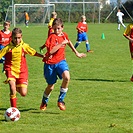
(80, 55)
(40, 49)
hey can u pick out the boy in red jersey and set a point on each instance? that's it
(128, 34)
(82, 29)
(15, 65)
(5, 37)
(50, 29)
(55, 63)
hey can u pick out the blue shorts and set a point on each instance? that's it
(3, 58)
(82, 37)
(53, 71)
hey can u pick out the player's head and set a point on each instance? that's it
(57, 26)
(53, 15)
(16, 35)
(83, 18)
(6, 25)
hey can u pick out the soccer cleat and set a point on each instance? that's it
(43, 106)
(61, 105)
(90, 51)
(131, 79)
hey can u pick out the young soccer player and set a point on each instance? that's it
(82, 29)
(5, 38)
(120, 19)
(55, 63)
(27, 18)
(128, 34)
(50, 29)
(15, 65)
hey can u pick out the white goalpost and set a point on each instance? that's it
(39, 13)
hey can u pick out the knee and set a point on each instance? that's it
(22, 91)
(23, 94)
(66, 79)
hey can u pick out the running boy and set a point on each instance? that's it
(82, 29)
(55, 63)
(128, 34)
(50, 29)
(5, 37)
(15, 65)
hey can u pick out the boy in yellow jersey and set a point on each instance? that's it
(128, 34)
(15, 65)
(27, 18)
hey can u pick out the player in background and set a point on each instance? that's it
(50, 29)
(120, 19)
(5, 38)
(55, 65)
(15, 65)
(27, 18)
(82, 30)
(128, 34)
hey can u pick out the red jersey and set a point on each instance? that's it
(82, 26)
(52, 41)
(5, 38)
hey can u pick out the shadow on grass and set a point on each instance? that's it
(103, 80)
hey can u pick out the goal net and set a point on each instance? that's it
(71, 11)
(38, 13)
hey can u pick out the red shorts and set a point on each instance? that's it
(20, 82)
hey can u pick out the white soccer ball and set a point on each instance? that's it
(12, 114)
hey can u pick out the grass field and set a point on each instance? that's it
(99, 99)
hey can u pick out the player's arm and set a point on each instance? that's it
(3, 51)
(128, 37)
(39, 55)
(80, 55)
(56, 47)
(41, 48)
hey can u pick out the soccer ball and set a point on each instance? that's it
(12, 114)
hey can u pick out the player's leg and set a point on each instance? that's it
(46, 96)
(63, 72)
(13, 99)
(79, 40)
(85, 38)
(51, 77)
(123, 24)
(119, 25)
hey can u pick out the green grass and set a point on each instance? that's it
(100, 91)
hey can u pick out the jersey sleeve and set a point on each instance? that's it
(4, 51)
(127, 31)
(29, 50)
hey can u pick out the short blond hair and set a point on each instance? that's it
(83, 16)
(53, 14)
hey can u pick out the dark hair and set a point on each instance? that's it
(58, 21)
(16, 31)
(7, 22)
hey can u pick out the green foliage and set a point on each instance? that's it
(71, 13)
(99, 99)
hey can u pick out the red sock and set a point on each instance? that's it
(13, 101)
